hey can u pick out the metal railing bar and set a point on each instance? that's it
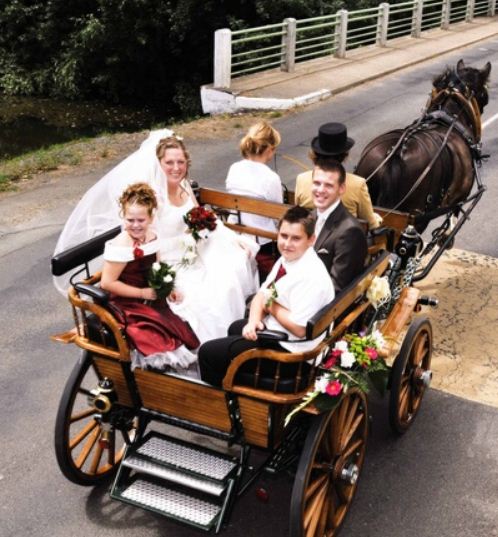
(405, 32)
(316, 26)
(256, 37)
(258, 59)
(258, 68)
(354, 44)
(257, 29)
(323, 17)
(405, 25)
(314, 46)
(265, 49)
(311, 39)
(362, 18)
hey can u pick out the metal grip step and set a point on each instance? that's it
(174, 476)
(181, 456)
(171, 503)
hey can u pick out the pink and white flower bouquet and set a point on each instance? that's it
(352, 362)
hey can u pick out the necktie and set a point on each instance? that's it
(281, 272)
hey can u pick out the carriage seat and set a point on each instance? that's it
(333, 320)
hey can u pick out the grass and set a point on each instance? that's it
(86, 151)
(18, 168)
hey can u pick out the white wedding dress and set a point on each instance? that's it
(214, 286)
(218, 281)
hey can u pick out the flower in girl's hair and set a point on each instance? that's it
(162, 279)
(200, 221)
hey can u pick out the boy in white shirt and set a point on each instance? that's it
(297, 287)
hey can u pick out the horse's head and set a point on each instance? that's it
(468, 81)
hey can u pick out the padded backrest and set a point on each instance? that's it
(354, 291)
(81, 254)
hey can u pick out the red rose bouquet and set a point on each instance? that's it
(200, 221)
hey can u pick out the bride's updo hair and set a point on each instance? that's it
(259, 137)
(138, 194)
(172, 142)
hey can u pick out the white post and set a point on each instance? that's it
(445, 14)
(469, 13)
(491, 8)
(418, 10)
(341, 34)
(289, 45)
(382, 24)
(222, 58)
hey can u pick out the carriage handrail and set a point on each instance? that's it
(80, 254)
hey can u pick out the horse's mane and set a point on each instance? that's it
(465, 79)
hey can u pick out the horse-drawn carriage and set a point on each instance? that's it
(115, 421)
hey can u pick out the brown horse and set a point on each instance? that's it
(429, 165)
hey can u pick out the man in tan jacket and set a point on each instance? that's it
(333, 142)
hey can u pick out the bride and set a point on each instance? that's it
(215, 276)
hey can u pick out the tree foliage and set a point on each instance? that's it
(142, 52)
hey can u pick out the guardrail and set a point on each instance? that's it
(243, 52)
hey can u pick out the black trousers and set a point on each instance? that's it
(215, 355)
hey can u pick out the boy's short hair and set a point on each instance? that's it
(299, 215)
(330, 165)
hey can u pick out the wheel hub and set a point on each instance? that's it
(350, 474)
(423, 377)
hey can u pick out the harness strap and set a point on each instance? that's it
(427, 168)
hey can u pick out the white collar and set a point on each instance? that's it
(325, 214)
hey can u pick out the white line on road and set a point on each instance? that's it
(489, 121)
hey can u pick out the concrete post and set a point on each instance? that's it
(491, 8)
(289, 45)
(382, 24)
(469, 13)
(418, 9)
(341, 34)
(222, 58)
(445, 14)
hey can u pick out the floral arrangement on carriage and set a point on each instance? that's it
(200, 221)
(162, 279)
(353, 362)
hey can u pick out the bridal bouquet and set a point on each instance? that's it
(351, 363)
(162, 279)
(200, 221)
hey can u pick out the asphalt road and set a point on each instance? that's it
(440, 479)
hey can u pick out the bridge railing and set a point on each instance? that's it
(242, 52)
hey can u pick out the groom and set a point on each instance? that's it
(297, 287)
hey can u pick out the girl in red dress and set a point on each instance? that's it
(160, 337)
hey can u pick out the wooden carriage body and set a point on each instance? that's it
(248, 415)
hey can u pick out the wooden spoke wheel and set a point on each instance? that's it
(411, 375)
(329, 467)
(88, 451)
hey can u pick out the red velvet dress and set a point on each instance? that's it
(151, 328)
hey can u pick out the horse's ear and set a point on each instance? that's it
(484, 72)
(460, 66)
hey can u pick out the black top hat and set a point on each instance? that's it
(332, 140)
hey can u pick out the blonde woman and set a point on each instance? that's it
(252, 176)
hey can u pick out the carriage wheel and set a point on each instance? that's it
(86, 453)
(411, 375)
(329, 467)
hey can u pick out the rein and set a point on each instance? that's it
(469, 104)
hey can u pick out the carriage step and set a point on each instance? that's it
(149, 467)
(197, 462)
(171, 503)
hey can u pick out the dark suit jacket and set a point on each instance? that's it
(342, 246)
